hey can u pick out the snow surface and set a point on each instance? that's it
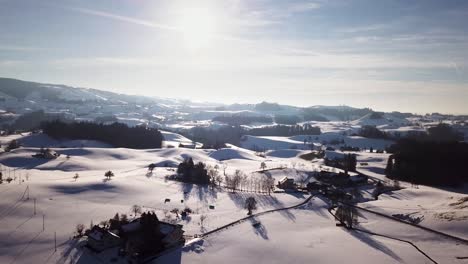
(304, 235)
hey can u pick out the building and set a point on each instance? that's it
(100, 239)
(286, 183)
(147, 236)
(140, 239)
(316, 186)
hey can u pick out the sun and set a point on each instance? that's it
(198, 27)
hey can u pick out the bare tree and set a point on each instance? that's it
(136, 209)
(269, 184)
(79, 230)
(224, 168)
(213, 174)
(347, 215)
(202, 222)
(245, 182)
(219, 179)
(293, 164)
(250, 204)
(76, 176)
(230, 182)
(238, 174)
(263, 166)
(302, 179)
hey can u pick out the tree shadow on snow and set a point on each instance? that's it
(263, 200)
(77, 189)
(204, 193)
(259, 229)
(367, 239)
(186, 189)
(24, 162)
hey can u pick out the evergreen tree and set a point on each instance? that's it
(250, 205)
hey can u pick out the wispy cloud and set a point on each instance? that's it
(302, 7)
(19, 48)
(12, 63)
(273, 14)
(375, 27)
(123, 18)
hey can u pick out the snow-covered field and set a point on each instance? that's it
(303, 235)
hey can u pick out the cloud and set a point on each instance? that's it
(123, 18)
(262, 62)
(360, 29)
(273, 13)
(302, 7)
(20, 48)
(12, 63)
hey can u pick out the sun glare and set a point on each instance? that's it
(198, 27)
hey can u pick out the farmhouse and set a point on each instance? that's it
(100, 239)
(336, 179)
(286, 183)
(142, 238)
(147, 236)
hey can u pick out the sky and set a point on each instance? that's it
(400, 55)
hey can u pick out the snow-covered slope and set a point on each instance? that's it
(382, 120)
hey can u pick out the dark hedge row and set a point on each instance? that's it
(429, 162)
(116, 134)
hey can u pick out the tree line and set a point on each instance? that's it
(235, 120)
(429, 162)
(244, 183)
(116, 134)
(347, 163)
(217, 138)
(440, 133)
(200, 173)
(285, 131)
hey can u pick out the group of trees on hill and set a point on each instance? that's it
(376, 115)
(439, 133)
(21, 89)
(236, 120)
(287, 119)
(265, 106)
(33, 120)
(342, 113)
(193, 173)
(117, 134)
(285, 131)
(347, 163)
(216, 138)
(443, 133)
(429, 162)
(372, 132)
